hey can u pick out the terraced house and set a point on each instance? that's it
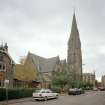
(36, 71)
(89, 78)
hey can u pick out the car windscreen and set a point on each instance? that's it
(37, 91)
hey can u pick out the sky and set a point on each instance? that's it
(43, 27)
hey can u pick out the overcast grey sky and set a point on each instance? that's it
(43, 27)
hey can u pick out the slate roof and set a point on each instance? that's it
(44, 65)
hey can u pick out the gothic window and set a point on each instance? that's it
(1, 57)
(2, 66)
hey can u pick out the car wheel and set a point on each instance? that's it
(36, 99)
(56, 96)
(45, 98)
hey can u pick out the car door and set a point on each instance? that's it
(49, 94)
(53, 94)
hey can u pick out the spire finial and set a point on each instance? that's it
(74, 6)
(74, 2)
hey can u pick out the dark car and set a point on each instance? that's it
(102, 89)
(75, 91)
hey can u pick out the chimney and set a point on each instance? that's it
(6, 47)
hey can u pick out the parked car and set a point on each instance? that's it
(95, 89)
(102, 89)
(75, 91)
(44, 94)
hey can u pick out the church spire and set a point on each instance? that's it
(74, 23)
(74, 58)
(74, 35)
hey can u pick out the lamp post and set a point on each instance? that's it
(6, 87)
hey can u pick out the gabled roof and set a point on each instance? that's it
(6, 53)
(44, 65)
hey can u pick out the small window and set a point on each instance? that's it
(47, 91)
(1, 57)
(0, 66)
(0, 83)
(3, 67)
(42, 91)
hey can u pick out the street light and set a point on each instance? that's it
(6, 87)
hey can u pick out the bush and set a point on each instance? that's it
(16, 93)
(2, 94)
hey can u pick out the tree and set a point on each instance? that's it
(60, 80)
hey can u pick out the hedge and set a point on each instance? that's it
(56, 89)
(16, 93)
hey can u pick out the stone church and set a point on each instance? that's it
(74, 56)
(36, 68)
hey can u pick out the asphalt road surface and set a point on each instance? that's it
(89, 98)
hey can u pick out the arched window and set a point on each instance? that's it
(2, 66)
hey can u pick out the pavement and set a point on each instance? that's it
(89, 98)
(19, 100)
(15, 101)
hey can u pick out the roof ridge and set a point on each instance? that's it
(43, 64)
(42, 57)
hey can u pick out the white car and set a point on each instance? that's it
(44, 94)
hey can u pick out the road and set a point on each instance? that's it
(89, 98)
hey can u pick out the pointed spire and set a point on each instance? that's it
(74, 35)
(74, 59)
(74, 23)
(74, 17)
